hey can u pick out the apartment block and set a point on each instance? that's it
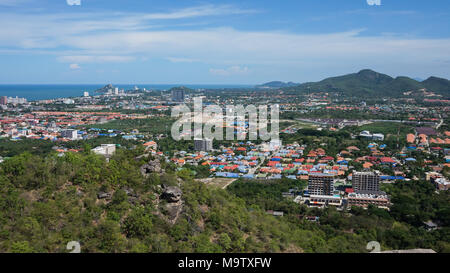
(366, 181)
(320, 184)
(204, 145)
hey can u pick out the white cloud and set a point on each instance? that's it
(96, 59)
(126, 37)
(74, 66)
(73, 2)
(230, 46)
(180, 60)
(206, 10)
(374, 2)
(232, 70)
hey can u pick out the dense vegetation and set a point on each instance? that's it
(46, 202)
(267, 195)
(10, 148)
(36, 146)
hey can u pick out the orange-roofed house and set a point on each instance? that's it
(423, 138)
(410, 138)
(353, 148)
(151, 144)
(180, 161)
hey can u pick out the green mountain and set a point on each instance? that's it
(277, 84)
(437, 85)
(370, 83)
(184, 88)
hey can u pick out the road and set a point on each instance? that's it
(253, 170)
(440, 123)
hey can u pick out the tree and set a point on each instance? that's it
(109, 236)
(225, 241)
(138, 223)
(21, 247)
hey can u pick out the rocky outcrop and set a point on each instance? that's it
(104, 195)
(130, 192)
(172, 194)
(173, 211)
(153, 166)
(174, 206)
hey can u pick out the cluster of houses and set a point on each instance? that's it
(239, 160)
(57, 125)
(428, 139)
(331, 178)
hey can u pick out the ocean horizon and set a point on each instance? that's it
(33, 92)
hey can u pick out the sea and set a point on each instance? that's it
(53, 91)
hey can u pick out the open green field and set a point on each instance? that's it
(388, 128)
(157, 125)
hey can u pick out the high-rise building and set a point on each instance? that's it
(203, 145)
(70, 134)
(16, 100)
(3, 100)
(366, 181)
(86, 94)
(178, 95)
(320, 184)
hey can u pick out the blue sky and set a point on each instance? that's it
(219, 42)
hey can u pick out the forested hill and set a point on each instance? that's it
(370, 83)
(277, 84)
